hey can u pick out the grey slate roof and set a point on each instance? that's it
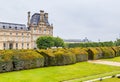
(4, 25)
(36, 18)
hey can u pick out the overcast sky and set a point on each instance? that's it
(72, 19)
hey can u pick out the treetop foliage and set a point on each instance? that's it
(45, 42)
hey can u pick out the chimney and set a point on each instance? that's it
(28, 23)
(41, 15)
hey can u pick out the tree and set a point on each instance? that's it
(117, 42)
(58, 42)
(45, 42)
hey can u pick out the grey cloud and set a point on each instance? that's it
(95, 19)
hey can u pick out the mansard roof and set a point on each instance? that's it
(35, 19)
(4, 25)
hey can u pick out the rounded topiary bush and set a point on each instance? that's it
(64, 57)
(108, 52)
(48, 56)
(116, 50)
(6, 60)
(81, 54)
(94, 53)
(26, 59)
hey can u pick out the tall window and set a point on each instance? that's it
(16, 45)
(4, 45)
(39, 30)
(27, 45)
(22, 45)
(44, 31)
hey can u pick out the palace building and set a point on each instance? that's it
(18, 36)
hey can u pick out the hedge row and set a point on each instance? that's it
(11, 60)
(20, 59)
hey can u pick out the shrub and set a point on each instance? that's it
(19, 59)
(27, 59)
(94, 53)
(57, 57)
(80, 53)
(48, 56)
(5, 60)
(64, 57)
(116, 50)
(108, 52)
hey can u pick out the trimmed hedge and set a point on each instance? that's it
(116, 50)
(81, 54)
(48, 57)
(108, 52)
(94, 53)
(26, 59)
(64, 57)
(57, 57)
(6, 61)
(20, 59)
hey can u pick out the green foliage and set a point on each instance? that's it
(45, 42)
(117, 42)
(108, 52)
(64, 57)
(57, 57)
(25, 59)
(58, 42)
(91, 44)
(81, 54)
(20, 59)
(94, 53)
(116, 50)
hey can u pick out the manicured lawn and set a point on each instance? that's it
(116, 59)
(58, 73)
(110, 80)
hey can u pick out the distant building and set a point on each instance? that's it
(18, 36)
(76, 40)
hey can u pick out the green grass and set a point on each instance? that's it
(110, 80)
(59, 73)
(115, 59)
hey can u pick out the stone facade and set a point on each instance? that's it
(18, 36)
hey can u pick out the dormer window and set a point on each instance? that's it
(9, 26)
(3, 27)
(15, 28)
(21, 27)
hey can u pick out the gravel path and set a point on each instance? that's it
(105, 62)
